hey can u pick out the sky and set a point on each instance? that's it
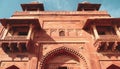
(8, 7)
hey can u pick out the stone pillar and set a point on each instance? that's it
(95, 31)
(19, 47)
(6, 31)
(10, 46)
(116, 30)
(114, 46)
(106, 45)
(33, 63)
(30, 31)
(27, 47)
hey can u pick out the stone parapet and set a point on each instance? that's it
(72, 13)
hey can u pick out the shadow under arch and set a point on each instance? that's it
(65, 51)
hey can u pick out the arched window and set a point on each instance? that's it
(61, 33)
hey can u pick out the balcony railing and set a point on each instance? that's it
(15, 38)
(109, 38)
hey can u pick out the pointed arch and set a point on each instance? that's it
(13, 67)
(66, 51)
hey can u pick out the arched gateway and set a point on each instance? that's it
(63, 58)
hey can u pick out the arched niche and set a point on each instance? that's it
(63, 58)
(61, 33)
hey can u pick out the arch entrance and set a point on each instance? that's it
(63, 58)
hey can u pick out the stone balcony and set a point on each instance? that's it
(13, 44)
(108, 44)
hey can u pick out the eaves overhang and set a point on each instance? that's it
(101, 22)
(5, 21)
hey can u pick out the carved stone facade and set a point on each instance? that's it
(37, 39)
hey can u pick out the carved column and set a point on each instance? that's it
(106, 46)
(26, 46)
(33, 63)
(95, 31)
(19, 47)
(98, 46)
(30, 31)
(116, 30)
(114, 46)
(6, 31)
(10, 46)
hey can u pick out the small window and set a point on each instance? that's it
(61, 33)
(62, 67)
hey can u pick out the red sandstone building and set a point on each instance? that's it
(38, 39)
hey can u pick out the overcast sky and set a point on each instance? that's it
(8, 7)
